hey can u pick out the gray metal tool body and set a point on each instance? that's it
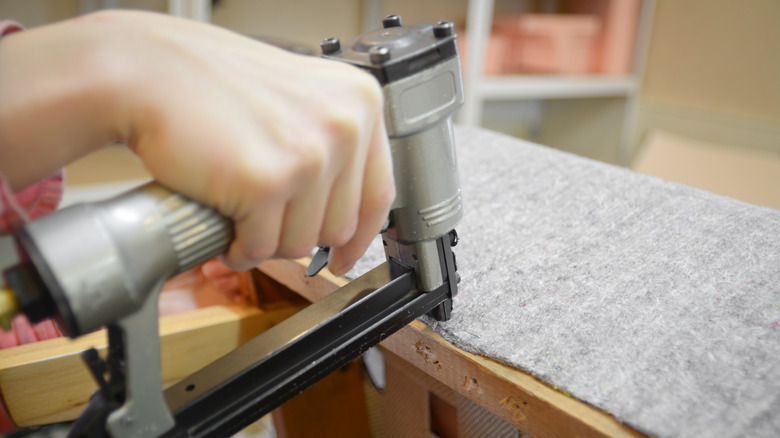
(103, 264)
(420, 73)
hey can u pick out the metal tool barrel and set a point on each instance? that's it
(99, 261)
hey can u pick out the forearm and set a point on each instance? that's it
(55, 100)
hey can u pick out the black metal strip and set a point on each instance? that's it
(249, 382)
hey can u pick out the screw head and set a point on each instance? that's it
(127, 421)
(378, 54)
(443, 29)
(454, 238)
(330, 45)
(391, 21)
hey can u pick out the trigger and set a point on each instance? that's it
(318, 261)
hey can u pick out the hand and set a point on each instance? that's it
(292, 148)
(209, 284)
(223, 279)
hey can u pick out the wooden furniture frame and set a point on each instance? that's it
(518, 398)
(45, 382)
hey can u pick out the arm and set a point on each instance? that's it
(293, 149)
(35, 200)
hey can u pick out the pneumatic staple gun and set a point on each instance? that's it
(103, 264)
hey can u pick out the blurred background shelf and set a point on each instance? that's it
(522, 87)
(704, 70)
(482, 87)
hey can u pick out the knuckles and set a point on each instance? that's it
(344, 132)
(331, 136)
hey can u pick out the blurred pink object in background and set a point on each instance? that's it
(550, 43)
(183, 293)
(25, 333)
(497, 47)
(593, 37)
(615, 47)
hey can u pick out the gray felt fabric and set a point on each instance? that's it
(656, 302)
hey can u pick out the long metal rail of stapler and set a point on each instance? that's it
(103, 264)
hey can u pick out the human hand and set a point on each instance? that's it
(224, 279)
(292, 148)
(209, 284)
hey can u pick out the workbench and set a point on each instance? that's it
(594, 302)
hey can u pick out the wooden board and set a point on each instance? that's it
(415, 404)
(515, 396)
(334, 407)
(46, 382)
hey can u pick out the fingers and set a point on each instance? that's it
(346, 214)
(226, 280)
(305, 213)
(256, 237)
(301, 225)
(214, 268)
(344, 186)
(343, 206)
(376, 198)
(230, 287)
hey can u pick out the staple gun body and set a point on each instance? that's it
(103, 264)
